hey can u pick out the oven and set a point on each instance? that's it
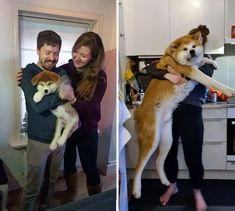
(231, 134)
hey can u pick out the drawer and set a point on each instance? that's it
(231, 112)
(214, 113)
(213, 156)
(215, 130)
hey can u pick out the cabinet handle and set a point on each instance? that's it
(233, 122)
(213, 142)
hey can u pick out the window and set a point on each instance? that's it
(29, 27)
(226, 66)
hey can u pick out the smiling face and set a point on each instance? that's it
(81, 57)
(48, 56)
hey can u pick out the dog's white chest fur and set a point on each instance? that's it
(180, 93)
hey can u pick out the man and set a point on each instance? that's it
(43, 164)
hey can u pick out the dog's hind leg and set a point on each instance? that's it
(163, 149)
(148, 144)
(67, 129)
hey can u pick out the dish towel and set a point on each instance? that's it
(124, 137)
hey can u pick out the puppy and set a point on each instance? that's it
(48, 82)
(154, 116)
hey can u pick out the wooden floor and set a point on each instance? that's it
(109, 182)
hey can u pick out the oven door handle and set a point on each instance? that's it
(233, 123)
(211, 142)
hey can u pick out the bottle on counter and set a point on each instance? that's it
(141, 94)
(213, 97)
(140, 97)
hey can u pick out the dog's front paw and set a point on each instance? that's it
(37, 97)
(229, 93)
(215, 65)
(53, 146)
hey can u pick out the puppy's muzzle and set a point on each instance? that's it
(45, 91)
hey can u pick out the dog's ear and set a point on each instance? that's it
(197, 36)
(36, 79)
(54, 76)
(172, 48)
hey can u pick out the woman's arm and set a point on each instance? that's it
(168, 74)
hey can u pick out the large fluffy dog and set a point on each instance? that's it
(48, 82)
(154, 116)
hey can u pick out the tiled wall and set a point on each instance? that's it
(226, 66)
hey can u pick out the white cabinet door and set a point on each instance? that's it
(146, 25)
(188, 14)
(229, 19)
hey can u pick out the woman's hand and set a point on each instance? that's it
(174, 77)
(67, 93)
(19, 75)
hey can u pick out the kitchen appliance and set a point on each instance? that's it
(231, 134)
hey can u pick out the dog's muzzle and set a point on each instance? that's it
(192, 53)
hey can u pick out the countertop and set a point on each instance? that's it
(218, 104)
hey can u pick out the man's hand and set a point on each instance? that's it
(19, 75)
(174, 77)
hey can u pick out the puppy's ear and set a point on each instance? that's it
(172, 48)
(198, 36)
(36, 79)
(55, 77)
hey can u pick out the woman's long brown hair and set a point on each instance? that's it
(87, 85)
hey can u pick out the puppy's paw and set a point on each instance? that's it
(53, 146)
(37, 97)
(61, 141)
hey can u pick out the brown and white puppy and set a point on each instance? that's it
(154, 116)
(49, 82)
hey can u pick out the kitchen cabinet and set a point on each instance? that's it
(151, 24)
(188, 14)
(214, 145)
(214, 142)
(146, 25)
(229, 20)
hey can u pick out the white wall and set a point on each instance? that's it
(8, 105)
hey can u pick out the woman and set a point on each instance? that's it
(188, 125)
(89, 83)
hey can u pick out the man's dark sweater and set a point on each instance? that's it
(41, 121)
(89, 111)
